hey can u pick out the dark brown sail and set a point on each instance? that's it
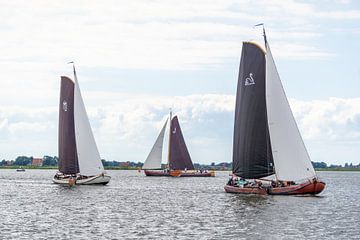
(179, 157)
(252, 156)
(68, 162)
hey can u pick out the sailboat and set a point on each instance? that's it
(179, 161)
(269, 155)
(79, 158)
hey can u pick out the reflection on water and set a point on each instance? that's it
(133, 206)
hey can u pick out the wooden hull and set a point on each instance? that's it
(161, 173)
(310, 187)
(101, 179)
(307, 188)
(197, 174)
(245, 190)
(156, 173)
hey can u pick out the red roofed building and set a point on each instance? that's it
(37, 162)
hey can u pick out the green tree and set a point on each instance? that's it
(23, 160)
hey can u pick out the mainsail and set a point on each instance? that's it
(292, 161)
(68, 161)
(87, 152)
(179, 157)
(252, 156)
(153, 161)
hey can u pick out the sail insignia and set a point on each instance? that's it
(249, 80)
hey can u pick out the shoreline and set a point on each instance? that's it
(136, 169)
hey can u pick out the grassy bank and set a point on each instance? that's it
(338, 169)
(28, 167)
(135, 168)
(55, 167)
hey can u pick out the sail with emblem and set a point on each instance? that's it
(179, 157)
(252, 155)
(153, 160)
(68, 160)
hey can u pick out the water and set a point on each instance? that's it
(133, 206)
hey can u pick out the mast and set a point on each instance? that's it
(74, 71)
(273, 170)
(263, 26)
(168, 160)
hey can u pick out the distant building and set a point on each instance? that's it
(124, 164)
(37, 162)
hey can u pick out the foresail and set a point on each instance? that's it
(153, 161)
(88, 155)
(252, 157)
(68, 162)
(179, 157)
(291, 159)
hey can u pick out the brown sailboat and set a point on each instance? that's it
(269, 155)
(179, 160)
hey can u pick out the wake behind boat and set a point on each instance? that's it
(269, 155)
(79, 158)
(179, 160)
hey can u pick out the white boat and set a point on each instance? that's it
(79, 158)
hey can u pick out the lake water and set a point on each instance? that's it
(133, 206)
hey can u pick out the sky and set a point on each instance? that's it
(136, 59)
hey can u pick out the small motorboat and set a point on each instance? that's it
(20, 170)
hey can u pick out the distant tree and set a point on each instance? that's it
(104, 162)
(212, 164)
(50, 161)
(319, 164)
(23, 160)
(3, 163)
(346, 165)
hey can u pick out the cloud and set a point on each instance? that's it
(152, 35)
(125, 127)
(39, 37)
(334, 119)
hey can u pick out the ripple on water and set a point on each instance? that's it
(133, 206)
